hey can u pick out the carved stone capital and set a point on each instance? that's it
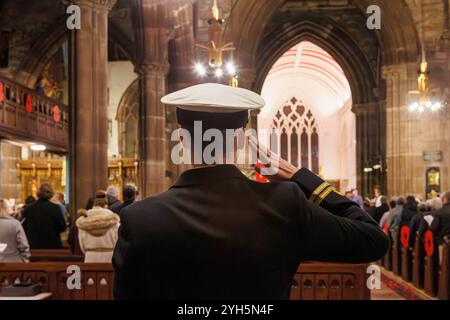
(95, 4)
(153, 69)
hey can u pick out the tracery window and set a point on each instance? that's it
(298, 134)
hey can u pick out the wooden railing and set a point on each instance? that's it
(313, 281)
(26, 115)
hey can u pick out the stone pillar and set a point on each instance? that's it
(89, 159)
(152, 36)
(370, 145)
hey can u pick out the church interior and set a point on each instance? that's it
(358, 91)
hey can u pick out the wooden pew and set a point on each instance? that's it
(328, 281)
(54, 255)
(396, 267)
(313, 281)
(387, 259)
(96, 279)
(431, 264)
(406, 257)
(444, 272)
(417, 268)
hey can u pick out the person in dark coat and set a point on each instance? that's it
(418, 225)
(215, 234)
(409, 211)
(441, 222)
(43, 221)
(129, 194)
(381, 210)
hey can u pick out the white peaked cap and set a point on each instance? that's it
(214, 97)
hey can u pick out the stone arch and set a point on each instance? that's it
(50, 41)
(128, 118)
(398, 39)
(338, 44)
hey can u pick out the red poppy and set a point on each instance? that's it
(259, 177)
(404, 236)
(429, 243)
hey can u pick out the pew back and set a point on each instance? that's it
(313, 281)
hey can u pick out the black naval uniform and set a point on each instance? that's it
(218, 235)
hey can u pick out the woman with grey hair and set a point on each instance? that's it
(14, 245)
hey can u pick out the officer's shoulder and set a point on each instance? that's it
(287, 188)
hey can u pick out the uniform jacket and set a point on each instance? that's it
(17, 247)
(43, 225)
(218, 235)
(97, 234)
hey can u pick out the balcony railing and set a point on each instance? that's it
(26, 115)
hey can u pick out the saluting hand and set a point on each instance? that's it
(285, 170)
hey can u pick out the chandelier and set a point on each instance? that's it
(425, 102)
(215, 47)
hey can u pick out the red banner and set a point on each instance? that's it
(29, 103)
(56, 114)
(2, 95)
(404, 236)
(429, 243)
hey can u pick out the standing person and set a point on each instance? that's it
(97, 231)
(441, 222)
(58, 199)
(234, 238)
(357, 198)
(43, 221)
(386, 219)
(381, 210)
(377, 198)
(113, 198)
(14, 245)
(30, 200)
(129, 194)
(39, 86)
(409, 211)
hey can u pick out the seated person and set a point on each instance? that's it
(97, 231)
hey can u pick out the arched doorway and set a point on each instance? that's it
(308, 103)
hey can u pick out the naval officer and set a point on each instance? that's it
(215, 234)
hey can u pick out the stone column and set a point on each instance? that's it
(370, 145)
(152, 36)
(89, 159)
(152, 124)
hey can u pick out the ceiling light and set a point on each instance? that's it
(38, 147)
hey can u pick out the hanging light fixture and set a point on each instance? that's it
(425, 102)
(215, 47)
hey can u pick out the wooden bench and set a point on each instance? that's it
(328, 281)
(431, 264)
(396, 258)
(54, 255)
(417, 268)
(444, 272)
(313, 281)
(406, 255)
(386, 262)
(96, 279)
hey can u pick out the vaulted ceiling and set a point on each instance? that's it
(310, 73)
